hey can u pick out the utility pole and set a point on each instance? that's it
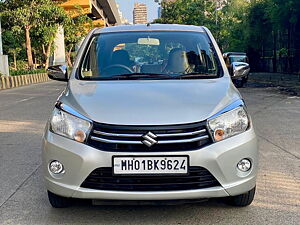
(4, 69)
(1, 49)
(59, 56)
(159, 9)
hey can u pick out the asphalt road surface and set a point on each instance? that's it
(23, 199)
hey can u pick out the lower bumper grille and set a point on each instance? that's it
(103, 179)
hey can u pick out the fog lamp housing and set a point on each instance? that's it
(244, 165)
(56, 167)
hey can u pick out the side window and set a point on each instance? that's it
(203, 59)
(90, 66)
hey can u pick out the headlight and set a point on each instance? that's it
(229, 124)
(69, 126)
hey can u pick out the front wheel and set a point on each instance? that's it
(57, 201)
(242, 200)
(245, 79)
(239, 83)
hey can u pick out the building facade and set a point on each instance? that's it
(103, 13)
(140, 15)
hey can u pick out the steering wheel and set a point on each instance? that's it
(118, 66)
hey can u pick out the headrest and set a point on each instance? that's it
(178, 61)
(120, 57)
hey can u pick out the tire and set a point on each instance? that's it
(242, 200)
(245, 80)
(57, 201)
(239, 83)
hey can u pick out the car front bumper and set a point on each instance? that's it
(220, 159)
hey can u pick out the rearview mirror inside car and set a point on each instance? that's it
(148, 41)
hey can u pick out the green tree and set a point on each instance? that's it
(39, 15)
(75, 28)
(11, 41)
(14, 52)
(52, 16)
(232, 25)
(225, 21)
(259, 24)
(194, 12)
(284, 17)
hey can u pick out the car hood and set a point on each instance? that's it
(149, 102)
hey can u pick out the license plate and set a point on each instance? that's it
(150, 165)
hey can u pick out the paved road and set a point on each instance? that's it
(24, 111)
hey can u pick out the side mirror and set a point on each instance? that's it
(224, 56)
(58, 72)
(240, 69)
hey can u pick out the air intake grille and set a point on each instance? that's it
(149, 138)
(197, 178)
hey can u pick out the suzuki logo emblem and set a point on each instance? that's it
(149, 139)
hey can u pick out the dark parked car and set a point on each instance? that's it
(238, 67)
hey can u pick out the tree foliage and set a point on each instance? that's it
(40, 17)
(31, 25)
(223, 20)
(262, 28)
(75, 29)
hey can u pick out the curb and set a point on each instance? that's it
(287, 82)
(276, 78)
(7, 82)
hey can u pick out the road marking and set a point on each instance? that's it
(19, 186)
(280, 148)
(25, 99)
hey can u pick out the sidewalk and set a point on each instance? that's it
(291, 82)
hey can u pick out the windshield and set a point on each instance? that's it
(238, 59)
(150, 55)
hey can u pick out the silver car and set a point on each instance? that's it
(149, 113)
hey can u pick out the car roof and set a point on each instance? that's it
(235, 53)
(150, 27)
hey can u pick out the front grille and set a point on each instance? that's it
(132, 138)
(103, 179)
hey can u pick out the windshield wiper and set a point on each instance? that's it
(135, 76)
(157, 76)
(195, 75)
